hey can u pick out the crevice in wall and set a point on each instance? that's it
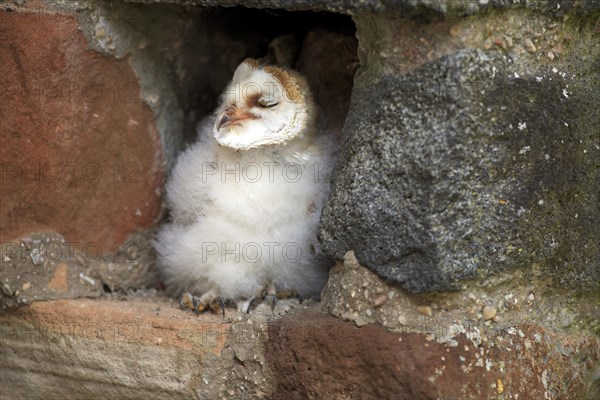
(202, 56)
(184, 56)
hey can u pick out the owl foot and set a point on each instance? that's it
(286, 294)
(208, 301)
(270, 295)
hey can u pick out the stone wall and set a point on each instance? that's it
(472, 148)
(90, 128)
(463, 215)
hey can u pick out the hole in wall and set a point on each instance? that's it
(201, 47)
(198, 49)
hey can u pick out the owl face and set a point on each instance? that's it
(263, 106)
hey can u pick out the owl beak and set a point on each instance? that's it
(223, 120)
(233, 116)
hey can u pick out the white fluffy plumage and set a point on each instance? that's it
(245, 199)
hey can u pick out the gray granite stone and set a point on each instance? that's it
(470, 163)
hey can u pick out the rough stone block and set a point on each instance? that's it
(141, 347)
(95, 349)
(333, 359)
(82, 162)
(80, 150)
(465, 155)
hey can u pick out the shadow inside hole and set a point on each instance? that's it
(201, 47)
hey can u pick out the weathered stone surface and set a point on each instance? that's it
(314, 356)
(105, 348)
(131, 349)
(143, 347)
(465, 156)
(43, 266)
(82, 166)
(531, 327)
(355, 293)
(448, 8)
(137, 347)
(79, 148)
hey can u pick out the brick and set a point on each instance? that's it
(79, 149)
(146, 346)
(94, 349)
(317, 356)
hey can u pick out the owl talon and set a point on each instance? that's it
(198, 304)
(215, 304)
(190, 302)
(269, 295)
(247, 307)
(223, 307)
(272, 299)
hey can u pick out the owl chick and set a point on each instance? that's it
(245, 199)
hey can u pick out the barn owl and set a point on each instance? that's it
(246, 197)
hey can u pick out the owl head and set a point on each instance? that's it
(263, 106)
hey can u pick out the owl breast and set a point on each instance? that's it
(254, 220)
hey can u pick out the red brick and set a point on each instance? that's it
(79, 149)
(318, 356)
(121, 349)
